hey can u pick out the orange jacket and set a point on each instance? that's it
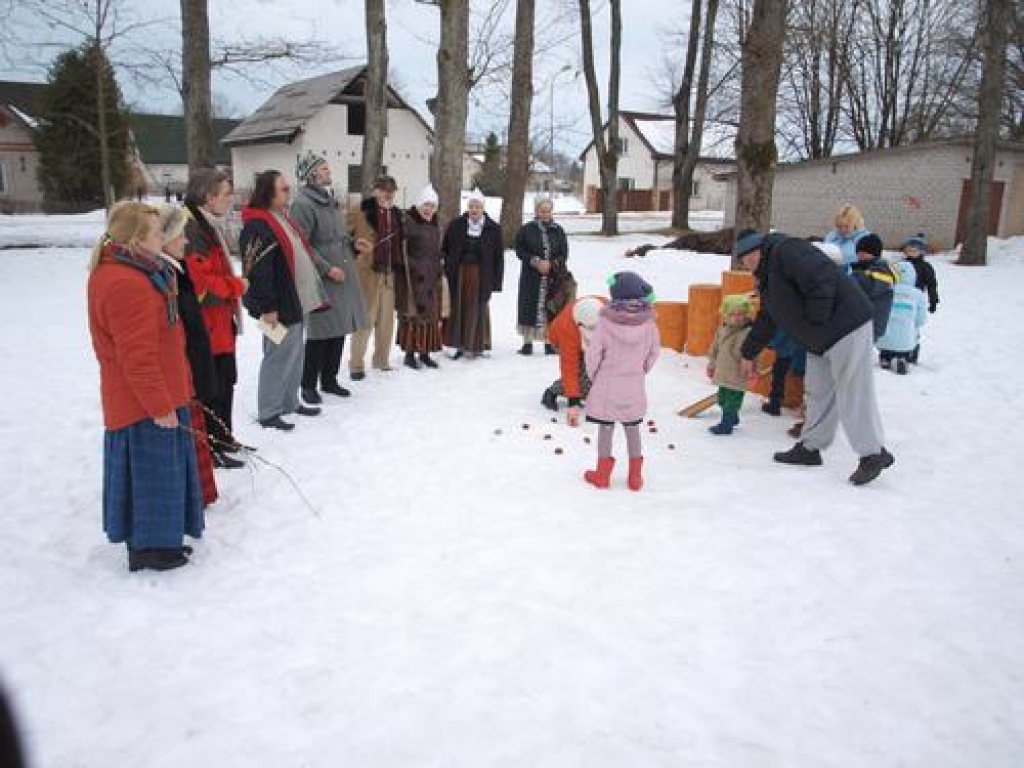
(143, 369)
(564, 334)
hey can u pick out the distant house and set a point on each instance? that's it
(20, 191)
(646, 152)
(901, 191)
(160, 152)
(327, 114)
(541, 178)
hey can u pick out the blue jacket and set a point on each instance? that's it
(847, 243)
(909, 312)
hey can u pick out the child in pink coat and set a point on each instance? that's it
(622, 350)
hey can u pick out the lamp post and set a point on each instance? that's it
(551, 133)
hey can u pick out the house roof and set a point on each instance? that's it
(22, 99)
(160, 139)
(658, 134)
(285, 114)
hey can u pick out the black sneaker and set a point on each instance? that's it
(276, 422)
(871, 467)
(306, 410)
(800, 455)
(311, 396)
(357, 375)
(549, 400)
(901, 367)
(427, 361)
(222, 461)
(334, 388)
(156, 559)
(526, 349)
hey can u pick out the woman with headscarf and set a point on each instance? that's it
(284, 288)
(418, 284)
(151, 493)
(474, 263)
(543, 249)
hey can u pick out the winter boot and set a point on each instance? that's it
(307, 410)
(901, 366)
(221, 460)
(725, 426)
(871, 467)
(885, 362)
(549, 400)
(602, 476)
(912, 357)
(526, 349)
(636, 477)
(311, 396)
(427, 361)
(550, 350)
(801, 455)
(411, 361)
(276, 422)
(334, 388)
(772, 407)
(156, 559)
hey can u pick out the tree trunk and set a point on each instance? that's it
(196, 92)
(517, 162)
(607, 152)
(995, 32)
(756, 153)
(376, 93)
(451, 106)
(101, 122)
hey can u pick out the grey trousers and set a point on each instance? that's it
(281, 374)
(840, 387)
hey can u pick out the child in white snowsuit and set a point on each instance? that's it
(909, 313)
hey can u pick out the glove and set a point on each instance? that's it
(932, 309)
(573, 416)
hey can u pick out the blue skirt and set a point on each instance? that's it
(151, 491)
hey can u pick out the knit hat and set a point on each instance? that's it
(919, 241)
(738, 302)
(307, 164)
(627, 286)
(427, 197)
(747, 241)
(586, 311)
(870, 243)
(476, 196)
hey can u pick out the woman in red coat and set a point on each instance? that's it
(151, 495)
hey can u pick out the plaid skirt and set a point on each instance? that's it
(204, 458)
(151, 495)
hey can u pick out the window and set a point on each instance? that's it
(355, 179)
(695, 188)
(356, 119)
(3, 180)
(626, 184)
(622, 147)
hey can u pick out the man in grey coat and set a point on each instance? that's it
(318, 216)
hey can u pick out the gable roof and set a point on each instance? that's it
(281, 117)
(160, 139)
(22, 99)
(658, 134)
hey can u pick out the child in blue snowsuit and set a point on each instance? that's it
(909, 313)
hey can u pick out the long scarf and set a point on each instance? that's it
(545, 280)
(288, 241)
(161, 275)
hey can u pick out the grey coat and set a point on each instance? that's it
(319, 218)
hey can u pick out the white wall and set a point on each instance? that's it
(22, 192)
(636, 164)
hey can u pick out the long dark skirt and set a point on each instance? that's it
(151, 494)
(419, 336)
(469, 327)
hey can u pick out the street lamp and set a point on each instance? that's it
(551, 134)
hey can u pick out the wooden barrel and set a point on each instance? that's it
(737, 281)
(671, 319)
(703, 317)
(764, 363)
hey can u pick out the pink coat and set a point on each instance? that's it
(622, 350)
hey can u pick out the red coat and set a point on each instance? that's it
(217, 287)
(143, 369)
(564, 334)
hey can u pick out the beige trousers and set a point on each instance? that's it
(379, 298)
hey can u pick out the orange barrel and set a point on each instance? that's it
(794, 396)
(764, 363)
(737, 281)
(703, 317)
(671, 319)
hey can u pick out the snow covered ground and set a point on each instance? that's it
(461, 598)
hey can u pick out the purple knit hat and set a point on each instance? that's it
(626, 286)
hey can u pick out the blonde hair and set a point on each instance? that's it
(129, 223)
(173, 219)
(540, 202)
(849, 215)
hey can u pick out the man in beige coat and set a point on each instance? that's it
(379, 240)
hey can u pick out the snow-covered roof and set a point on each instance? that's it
(28, 120)
(659, 132)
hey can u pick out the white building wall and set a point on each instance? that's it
(19, 161)
(636, 163)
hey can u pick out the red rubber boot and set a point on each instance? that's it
(602, 476)
(636, 478)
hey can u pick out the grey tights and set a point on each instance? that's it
(605, 432)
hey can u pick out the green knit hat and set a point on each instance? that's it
(738, 302)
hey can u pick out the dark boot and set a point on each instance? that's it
(871, 467)
(411, 361)
(305, 410)
(458, 354)
(602, 476)
(526, 349)
(725, 426)
(773, 407)
(549, 400)
(311, 396)
(901, 366)
(800, 455)
(156, 559)
(221, 460)
(357, 375)
(427, 360)
(550, 350)
(334, 388)
(912, 357)
(276, 422)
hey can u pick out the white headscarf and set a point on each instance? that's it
(427, 196)
(476, 196)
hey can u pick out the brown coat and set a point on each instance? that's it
(725, 356)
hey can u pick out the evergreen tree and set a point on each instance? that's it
(67, 138)
(491, 179)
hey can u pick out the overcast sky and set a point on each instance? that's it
(412, 35)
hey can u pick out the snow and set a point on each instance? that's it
(460, 597)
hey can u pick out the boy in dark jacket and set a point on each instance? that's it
(876, 278)
(811, 298)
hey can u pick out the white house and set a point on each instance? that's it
(327, 114)
(646, 152)
(901, 191)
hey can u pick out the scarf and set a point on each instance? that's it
(475, 228)
(161, 275)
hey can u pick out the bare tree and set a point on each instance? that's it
(607, 152)
(196, 86)
(376, 92)
(517, 162)
(690, 127)
(996, 21)
(1013, 110)
(756, 153)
